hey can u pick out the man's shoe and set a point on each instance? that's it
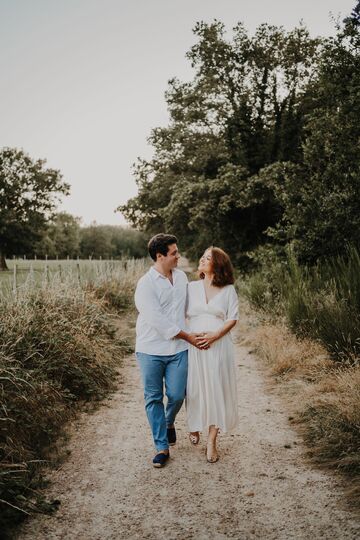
(160, 459)
(171, 435)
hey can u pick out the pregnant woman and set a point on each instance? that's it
(211, 396)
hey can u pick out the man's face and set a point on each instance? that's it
(170, 260)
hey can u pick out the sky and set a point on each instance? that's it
(83, 81)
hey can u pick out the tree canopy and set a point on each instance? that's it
(244, 110)
(28, 196)
(262, 146)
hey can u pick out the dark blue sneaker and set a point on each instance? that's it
(160, 459)
(171, 435)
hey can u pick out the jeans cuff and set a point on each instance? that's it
(162, 448)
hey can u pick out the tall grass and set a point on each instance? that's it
(325, 397)
(321, 302)
(320, 357)
(59, 347)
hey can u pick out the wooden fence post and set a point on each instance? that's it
(79, 273)
(15, 279)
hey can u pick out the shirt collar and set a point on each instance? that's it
(157, 274)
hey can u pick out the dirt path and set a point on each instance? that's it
(260, 488)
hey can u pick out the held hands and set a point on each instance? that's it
(205, 339)
(193, 340)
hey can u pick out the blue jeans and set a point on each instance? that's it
(154, 370)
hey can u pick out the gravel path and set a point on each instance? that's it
(262, 486)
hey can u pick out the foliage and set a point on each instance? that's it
(321, 195)
(108, 241)
(243, 111)
(61, 238)
(65, 237)
(326, 400)
(59, 347)
(322, 301)
(262, 145)
(28, 196)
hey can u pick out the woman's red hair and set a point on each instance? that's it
(221, 266)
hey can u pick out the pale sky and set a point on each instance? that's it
(83, 81)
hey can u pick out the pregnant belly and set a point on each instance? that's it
(204, 323)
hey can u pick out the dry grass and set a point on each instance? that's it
(288, 356)
(324, 396)
(60, 348)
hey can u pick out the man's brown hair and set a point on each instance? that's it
(160, 244)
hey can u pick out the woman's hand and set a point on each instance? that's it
(193, 340)
(207, 339)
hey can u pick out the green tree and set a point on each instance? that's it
(28, 197)
(244, 110)
(108, 241)
(321, 195)
(62, 237)
(95, 242)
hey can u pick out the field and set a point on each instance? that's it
(60, 346)
(23, 273)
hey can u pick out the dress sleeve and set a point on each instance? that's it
(232, 313)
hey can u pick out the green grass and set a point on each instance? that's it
(321, 302)
(39, 272)
(60, 347)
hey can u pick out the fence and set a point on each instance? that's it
(25, 273)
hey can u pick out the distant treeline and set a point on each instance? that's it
(262, 147)
(64, 237)
(31, 226)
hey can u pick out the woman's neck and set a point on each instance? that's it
(208, 279)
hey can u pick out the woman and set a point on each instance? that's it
(212, 311)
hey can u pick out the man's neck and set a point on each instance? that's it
(163, 272)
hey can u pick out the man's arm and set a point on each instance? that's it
(147, 304)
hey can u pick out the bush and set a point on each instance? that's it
(322, 302)
(59, 348)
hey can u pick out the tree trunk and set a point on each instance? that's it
(3, 265)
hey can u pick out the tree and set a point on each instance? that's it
(111, 241)
(61, 238)
(28, 196)
(321, 195)
(354, 18)
(95, 241)
(244, 110)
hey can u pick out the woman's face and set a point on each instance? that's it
(205, 263)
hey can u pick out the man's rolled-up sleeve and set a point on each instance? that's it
(147, 304)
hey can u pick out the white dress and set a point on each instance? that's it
(211, 394)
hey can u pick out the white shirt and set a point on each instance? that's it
(161, 308)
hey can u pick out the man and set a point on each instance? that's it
(161, 341)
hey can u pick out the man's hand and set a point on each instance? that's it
(191, 338)
(206, 339)
(196, 340)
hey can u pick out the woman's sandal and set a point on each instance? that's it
(194, 438)
(212, 455)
